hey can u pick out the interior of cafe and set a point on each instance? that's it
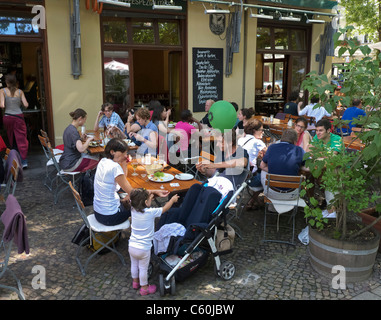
(24, 59)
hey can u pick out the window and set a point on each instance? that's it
(17, 26)
(143, 32)
(285, 39)
(169, 33)
(115, 31)
(263, 38)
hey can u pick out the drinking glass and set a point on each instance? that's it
(161, 159)
(134, 165)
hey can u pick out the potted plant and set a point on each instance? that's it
(348, 175)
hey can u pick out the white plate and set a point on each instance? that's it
(184, 176)
(167, 177)
(132, 144)
(171, 125)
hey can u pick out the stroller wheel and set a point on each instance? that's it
(227, 270)
(165, 285)
(161, 285)
(173, 286)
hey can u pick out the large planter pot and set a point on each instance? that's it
(367, 218)
(357, 259)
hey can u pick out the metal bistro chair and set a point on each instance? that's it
(94, 227)
(50, 170)
(10, 187)
(62, 177)
(280, 183)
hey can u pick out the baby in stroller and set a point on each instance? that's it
(203, 210)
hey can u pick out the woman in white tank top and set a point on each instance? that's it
(11, 99)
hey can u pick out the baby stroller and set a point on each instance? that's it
(203, 210)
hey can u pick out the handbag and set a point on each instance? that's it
(82, 234)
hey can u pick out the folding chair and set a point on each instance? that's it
(55, 150)
(10, 187)
(94, 227)
(50, 170)
(282, 184)
(62, 177)
(12, 217)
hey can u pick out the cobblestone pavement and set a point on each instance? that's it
(264, 271)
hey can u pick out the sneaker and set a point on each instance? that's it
(150, 290)
(326, 214)
(135, 285)
(24, 164)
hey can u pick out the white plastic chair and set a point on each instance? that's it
(94, 227)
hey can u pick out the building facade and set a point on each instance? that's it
(81, 53)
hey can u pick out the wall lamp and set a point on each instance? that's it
(314, 20)
(290, 18)
(215, 10)
(165, 6)
(116, 3)
(260, 15)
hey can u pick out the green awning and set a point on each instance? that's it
(316, 4)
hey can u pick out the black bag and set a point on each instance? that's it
(82, 233)
(86, 187)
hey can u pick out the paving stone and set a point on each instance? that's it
(264, 271)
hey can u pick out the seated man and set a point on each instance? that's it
(230, 161)
(284, 158)
(291, 107)
(333, 144)
(351, 113)
(109, 118)
(317, 113)
(205, 119)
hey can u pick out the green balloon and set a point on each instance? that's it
(222, 115)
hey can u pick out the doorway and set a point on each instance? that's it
(24, 59)
(157, 77)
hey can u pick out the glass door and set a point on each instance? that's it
(174, 84)
(117, 81)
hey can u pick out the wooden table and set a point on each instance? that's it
(352, 142)
(269, 106)
(98, 150)
(143, 182)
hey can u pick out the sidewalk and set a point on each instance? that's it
(264, 271)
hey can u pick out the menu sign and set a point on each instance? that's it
(207, 76)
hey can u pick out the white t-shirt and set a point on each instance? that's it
(317, 113)
(106, 199)
(252, 145)
(143, 227)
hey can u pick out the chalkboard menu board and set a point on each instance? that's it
(207, 76)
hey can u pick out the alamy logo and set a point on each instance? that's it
(38, 20)
(339, 280)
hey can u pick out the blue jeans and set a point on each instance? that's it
(114, 219)
(255, 181)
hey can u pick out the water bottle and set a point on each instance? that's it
(289, 123)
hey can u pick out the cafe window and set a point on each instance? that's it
(285, 39)
(263, 38)
(115, 31)
(169, 33)
(143, 32)
(16, 26)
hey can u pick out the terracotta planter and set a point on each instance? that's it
(367, 219)
(357, 259)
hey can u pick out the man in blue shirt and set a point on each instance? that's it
(284, 158)
(351, 113)
(110, 118)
